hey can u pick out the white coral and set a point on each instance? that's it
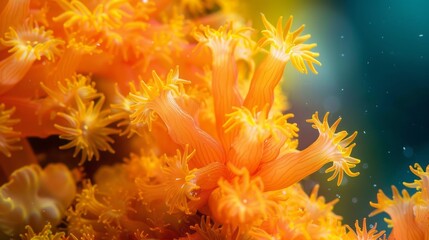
(35, 197)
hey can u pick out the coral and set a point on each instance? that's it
(176, 81)
(35, 196)
(87, 129)
(409, 214)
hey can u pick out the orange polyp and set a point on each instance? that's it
(222, 43)
(182, 129)
(157, 100)
(363, 233)
(254, 130)
(27, 43)
(292, 167)
(224, 90)
(240, 203)
(284, 46)
(329, 147)
(401, 210)
(175, 183)
(268, 74)
(87, 129)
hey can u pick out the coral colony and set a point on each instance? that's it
(202, 142)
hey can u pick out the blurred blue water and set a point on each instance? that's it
(380, 57)
(375, 75)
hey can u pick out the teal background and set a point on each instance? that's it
(375, 75)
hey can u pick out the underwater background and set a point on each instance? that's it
(375, 75)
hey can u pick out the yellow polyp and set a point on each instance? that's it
(223, 39)
(286, 45)
(263, 125)
(96, 211)
(254, 128)
(176, 184)
(317, 208)
(308, 217)
(27, 43)
(241, 203)
(340, 164)
(87, 201)
(118, 26)
(172, 84)
(421, 197)
(112, 13)
(330, 146)
(45, 233)
(108, 207)
(158, 99)
(422, 184)
(299, 216)
(165, 43)
(8, 136)
(244, 118)
(363, 233)
(87, 129)
(301, 55)
(401, 210)
(76, 14)
(226, 95)
(65, 91)
(30, 42)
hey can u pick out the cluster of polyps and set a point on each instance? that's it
(219, 157)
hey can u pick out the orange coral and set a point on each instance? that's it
(409, 214)
(329, 147)
(219, 154)
(26, 44)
